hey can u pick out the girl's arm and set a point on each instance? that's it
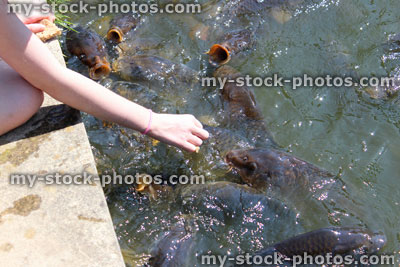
(25, 53)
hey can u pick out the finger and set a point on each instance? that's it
(201, 133)
(195, 141)
(35, 28)
(198, 123)
(189, 147)
(36, 19)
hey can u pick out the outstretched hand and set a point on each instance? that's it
(182, 131)
(33, 22)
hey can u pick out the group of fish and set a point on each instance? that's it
(265, 169)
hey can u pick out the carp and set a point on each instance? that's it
(231, 44)
(146, 68)
(307, 187)
(121, 25)
(335, 240)
(89, 47)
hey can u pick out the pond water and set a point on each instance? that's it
(341, 130)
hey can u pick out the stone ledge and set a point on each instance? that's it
(57, 225)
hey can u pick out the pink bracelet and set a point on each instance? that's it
(149, 125)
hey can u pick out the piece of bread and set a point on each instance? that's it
(49, 32)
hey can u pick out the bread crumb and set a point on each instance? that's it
(49, 32)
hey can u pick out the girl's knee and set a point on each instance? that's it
(34, 100)
(37, 99)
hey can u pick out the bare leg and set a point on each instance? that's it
(19, 100)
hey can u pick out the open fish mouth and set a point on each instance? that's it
(231, 166)
(100, 70)
(219, 55)
(115, 34)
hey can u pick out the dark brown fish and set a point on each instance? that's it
(153, 68)
(335, 240)
(240, 99)
(89, 47)
(265, 167)
(242, 110)
(121, 25)
(231, 44)
(307, 187)
(175, 248)
(136, 45)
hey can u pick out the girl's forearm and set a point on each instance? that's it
(26, 56)
(86, 95)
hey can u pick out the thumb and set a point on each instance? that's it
(35, 28)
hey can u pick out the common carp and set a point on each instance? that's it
(175, 248)
(240, 99)
(263, 168)
(231, 44)
(89, 47)
(307, 187)
(241, 105)
(145, 68)
(136, 45)
(121, 25)
(247, 7)
(334, 240)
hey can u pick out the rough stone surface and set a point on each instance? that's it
(53, 225)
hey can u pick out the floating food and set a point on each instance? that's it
(335, 240)
(121, 25)
(233, 43)
(89, 47)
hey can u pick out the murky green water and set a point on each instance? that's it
(338, 129)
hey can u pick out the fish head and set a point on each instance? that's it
(359, 240)
(244, 162)
(376, 242)
(260, 167)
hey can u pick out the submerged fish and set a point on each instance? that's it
(242, 107)
(175, 248)
(89, 47)
(231, 44)
(222, 217)
(244, 7)
(152, 68)
(240, 98)
(335, 240)
(121, 25)
(136, 45)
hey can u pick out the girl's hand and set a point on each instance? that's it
(33, 22)
(182, 131)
